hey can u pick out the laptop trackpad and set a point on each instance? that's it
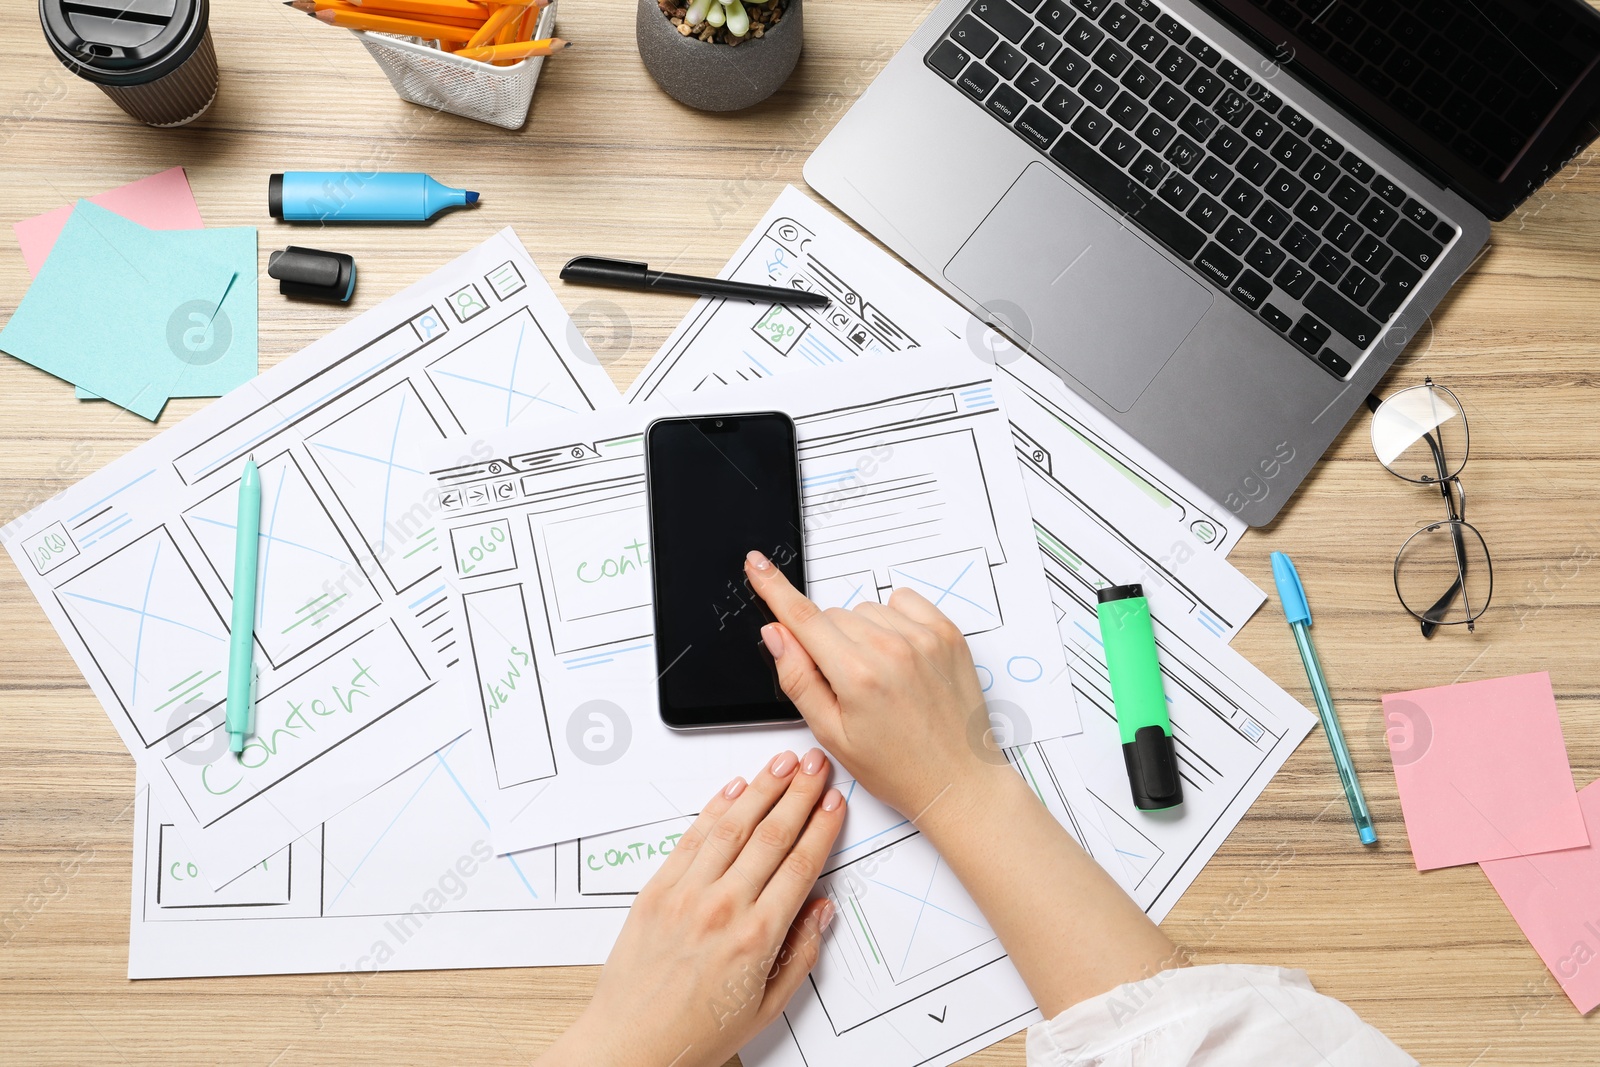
(1096, 300)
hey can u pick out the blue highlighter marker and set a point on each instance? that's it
(333, 196)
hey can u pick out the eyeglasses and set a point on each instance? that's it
(1442, 573)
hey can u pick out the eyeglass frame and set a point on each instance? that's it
(1456, 519)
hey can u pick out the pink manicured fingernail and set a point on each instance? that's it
(758, 561)
(733, 788)
(783, 764)
(771, 637)
(826, 917)
(832, 801)
(813, 762)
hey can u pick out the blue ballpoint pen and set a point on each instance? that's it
(1293, 597)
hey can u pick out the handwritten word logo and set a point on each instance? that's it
(997, 726)
(599, 732)
(599, 332)
(1408, 730)
(199, 333)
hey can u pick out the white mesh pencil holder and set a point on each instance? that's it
(425, 75)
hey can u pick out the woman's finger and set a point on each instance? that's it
(775, 835)
(683, 852)
(918, 608)
(792, 882)
(802, 682)
(728, 835)
(804, 619)
(801, 949)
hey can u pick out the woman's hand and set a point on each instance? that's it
(890, 690)
(718, 941)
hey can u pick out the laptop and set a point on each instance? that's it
(1219, 221)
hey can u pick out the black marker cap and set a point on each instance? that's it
(316, 275)
(1119, 592)
(1152, 761)
(275, 196)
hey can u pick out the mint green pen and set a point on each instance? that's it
(241, 638)
(1292, 595)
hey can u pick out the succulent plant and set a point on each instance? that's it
(729, 13)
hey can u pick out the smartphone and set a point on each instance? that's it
(719, 486)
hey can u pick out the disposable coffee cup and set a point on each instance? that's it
(153, 57)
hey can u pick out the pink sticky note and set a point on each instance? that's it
(1555, 898)
(1482, 770)
(160, 202)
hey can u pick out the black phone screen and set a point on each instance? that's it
(718, 487)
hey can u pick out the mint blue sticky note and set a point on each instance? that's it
(229, 340)
(114, 314)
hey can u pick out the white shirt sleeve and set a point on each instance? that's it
(1226, 1015)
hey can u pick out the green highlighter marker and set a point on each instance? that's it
(1147, 748)
(242, 633)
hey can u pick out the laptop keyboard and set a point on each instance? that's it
(1268, 207)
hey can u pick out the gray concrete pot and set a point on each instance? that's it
(715, 77)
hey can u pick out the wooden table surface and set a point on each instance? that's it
(607, 163)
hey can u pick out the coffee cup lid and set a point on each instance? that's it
(123, 41)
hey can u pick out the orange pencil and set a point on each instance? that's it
(519, 50)
(431, 9)
(313, 6)
(430, 31)
(493, 25)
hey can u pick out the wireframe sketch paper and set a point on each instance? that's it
(908, 478)
(403, 879)
(880, 305)
(1482, 771)
(869, 998)
(1555, 898)
(355, 628)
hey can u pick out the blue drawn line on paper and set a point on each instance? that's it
(266, 561)
(498, 388)
(757, 362)
(482, 818)
(357, 868)
(853, 594)
(594, 659)
(126, 520)
(111, 494)
(817, 351)
(873, 837)
(947, 591)
(388, 476)
(150, 615)
(92, 534)
(425, 596)
(516, 357)
(269, 537)
(1210, 622)
(816, 480)
(144, 616)
(1085, 631)
(363, 455)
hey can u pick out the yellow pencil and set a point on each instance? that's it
(493, 25)
(433, 9)
(428, 31)
(519, 50)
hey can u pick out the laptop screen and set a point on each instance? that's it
(1490, 96)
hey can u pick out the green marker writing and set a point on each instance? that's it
(1141, 702)
(241, 636)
